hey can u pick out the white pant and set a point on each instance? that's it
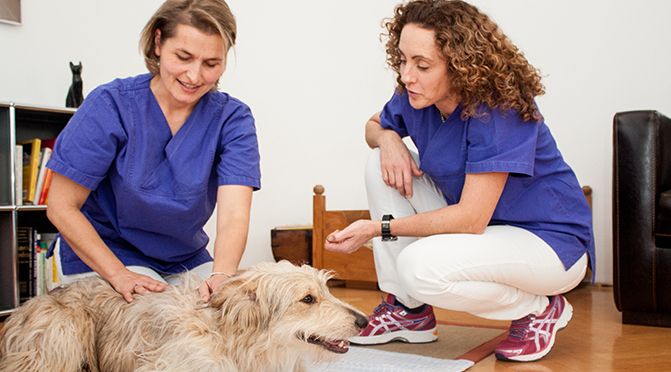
(203, 271)
(505, 273)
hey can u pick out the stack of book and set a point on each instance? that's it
(37, 274)
(35, 177)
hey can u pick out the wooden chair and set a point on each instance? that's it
(357, 269)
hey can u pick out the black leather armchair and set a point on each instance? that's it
(642, 217)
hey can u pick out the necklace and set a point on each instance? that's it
(442, 117)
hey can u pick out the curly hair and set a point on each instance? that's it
(484, 66)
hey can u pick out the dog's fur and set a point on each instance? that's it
(265, 318)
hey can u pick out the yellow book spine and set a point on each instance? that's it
(54, 271)
(30, 168)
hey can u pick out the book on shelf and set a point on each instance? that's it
(31, 160)
(48, 142)
(45, 188)
(42, 273)
(37, 274)
(25, 244)
(48, 270)
(18, 171)
(42, 170)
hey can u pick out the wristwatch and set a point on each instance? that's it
(386, 228)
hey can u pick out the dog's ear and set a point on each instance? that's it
(235, 288)
(240, 306)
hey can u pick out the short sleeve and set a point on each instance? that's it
(391, 116)
(501, 142)
(88, 144)
(239, 159)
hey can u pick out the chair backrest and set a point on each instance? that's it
(357, 267)
(641, 172)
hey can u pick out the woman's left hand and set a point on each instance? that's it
(209, 285)
(351, 238)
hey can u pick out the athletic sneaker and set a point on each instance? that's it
(532, 337)
(390, 322)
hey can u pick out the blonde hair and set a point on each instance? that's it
(209, 16)
(483, 65)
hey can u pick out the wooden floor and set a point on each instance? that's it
(594, 340)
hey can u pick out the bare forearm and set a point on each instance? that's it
(85, 241)
(373, 133)
(376, 136)
(448, 220)
(234, 203)
(471, 215)
(442, 221)
(229, 245)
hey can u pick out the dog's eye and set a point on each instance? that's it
(308, 299)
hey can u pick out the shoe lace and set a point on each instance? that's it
(520, 328)
(380, 308)
(383, 307)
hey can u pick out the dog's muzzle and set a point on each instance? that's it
(336, 346)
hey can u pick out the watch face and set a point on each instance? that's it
(386, 230)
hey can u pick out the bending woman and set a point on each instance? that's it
(504, 228)
(142, 163)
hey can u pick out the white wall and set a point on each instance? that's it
(313, 72)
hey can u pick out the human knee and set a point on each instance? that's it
(413, 269)
(422, 269)
(373, 164)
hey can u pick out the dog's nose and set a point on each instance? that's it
(360, 320)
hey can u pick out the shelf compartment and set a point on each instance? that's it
(9, 295)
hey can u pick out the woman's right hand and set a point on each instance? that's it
(128, 283)
(397, 165)
(64, 212)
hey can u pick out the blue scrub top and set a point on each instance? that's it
(152, 192)
(542, 194)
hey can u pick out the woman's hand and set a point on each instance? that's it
(64, 212)
(397, 165)
(211, 284)
(128, 283)
(352, 237)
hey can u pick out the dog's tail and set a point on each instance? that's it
(47, 335)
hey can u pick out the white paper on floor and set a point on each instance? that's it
(361, 359)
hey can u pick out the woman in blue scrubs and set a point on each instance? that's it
(503, 226)
(142, 163)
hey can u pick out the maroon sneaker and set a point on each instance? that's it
(391, 322)
(532, 337)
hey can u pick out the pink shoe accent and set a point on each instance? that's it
(533, 336)
(391, 322)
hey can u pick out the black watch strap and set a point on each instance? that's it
(386, 228)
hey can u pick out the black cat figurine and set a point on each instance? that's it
(75, 96)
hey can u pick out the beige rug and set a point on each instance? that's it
(454, 342)
(457, 349)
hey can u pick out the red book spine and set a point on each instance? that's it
(46, 186)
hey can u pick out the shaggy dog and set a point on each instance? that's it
(264, 319)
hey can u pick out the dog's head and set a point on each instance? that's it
(288, 304)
